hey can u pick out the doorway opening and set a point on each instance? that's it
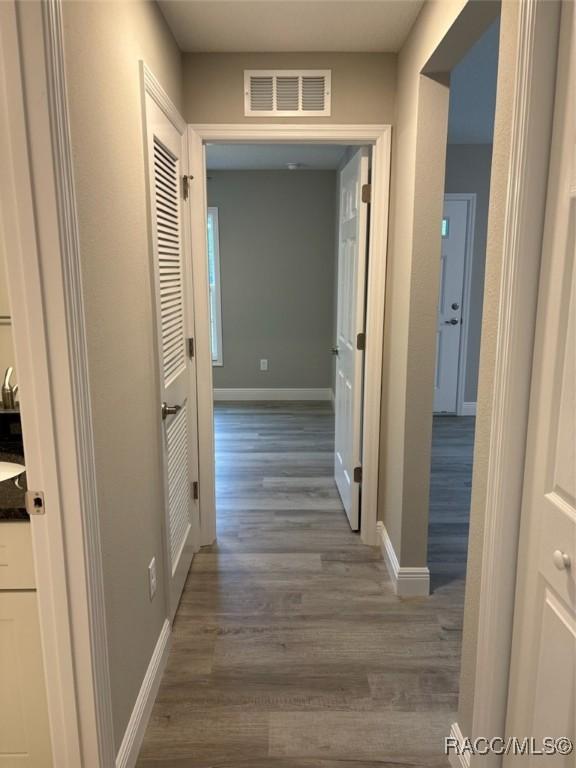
(461, 284)
(287, 248)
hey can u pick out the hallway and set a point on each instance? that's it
(289, 648)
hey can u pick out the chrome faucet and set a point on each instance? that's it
(8, 391)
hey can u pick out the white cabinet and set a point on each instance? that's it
(24, 730)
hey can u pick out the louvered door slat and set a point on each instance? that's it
(178, 484)
(169, 246)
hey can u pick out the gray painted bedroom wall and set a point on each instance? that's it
(277, 262)
(468, 170)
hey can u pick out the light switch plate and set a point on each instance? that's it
(264, 364)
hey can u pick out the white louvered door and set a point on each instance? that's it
(167, 161)
(353, 233)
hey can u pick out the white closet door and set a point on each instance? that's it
(353, 221)
(174, 318)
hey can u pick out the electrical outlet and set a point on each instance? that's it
(152, 581)
(264, 364)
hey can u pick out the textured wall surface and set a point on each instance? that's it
(277, 261)
(363, 85)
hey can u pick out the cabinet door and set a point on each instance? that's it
(24, 734)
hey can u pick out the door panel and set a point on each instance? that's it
(543, 673)
(174, 321)
(452, 265)
(24, 730)
(349, 366)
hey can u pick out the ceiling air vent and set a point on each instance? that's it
(287, 93)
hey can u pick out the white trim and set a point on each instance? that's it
(134, 734)
(524, 216)
(40, 223)
(467, 409)
(213, 211)
(458, 760)
(161, 98)
(470, 199)
(406, 581)
(379, 137)
(273, 393)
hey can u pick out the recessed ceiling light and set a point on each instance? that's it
(294, 166)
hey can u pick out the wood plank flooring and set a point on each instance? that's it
(450, 491)
(289, 648)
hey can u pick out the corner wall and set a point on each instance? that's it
(103, 45)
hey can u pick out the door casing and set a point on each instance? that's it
(379, 138)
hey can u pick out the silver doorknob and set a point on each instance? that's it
(169, 410)
(335, 351)
(561, 560)
(452, 321)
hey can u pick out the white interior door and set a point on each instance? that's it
(174, 316)
(452, 266)
(352, 245)
(543, 674)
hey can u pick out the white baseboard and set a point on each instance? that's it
(274, 393)
(458, 761)
(468, 409)
(132, 741)
(407, 582)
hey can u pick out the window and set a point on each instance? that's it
(214, 284)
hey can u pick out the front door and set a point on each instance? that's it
(543, 674)
(174, 318)
(353, 219)
(452, 265)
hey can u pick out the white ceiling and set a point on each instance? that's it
(269, 157)
(473, 92)
(236, 26)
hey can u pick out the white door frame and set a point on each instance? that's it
(379, 138)
(39, 222)
(470, 198)
(524, 209)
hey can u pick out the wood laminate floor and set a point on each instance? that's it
(289, 648)
(450, 491)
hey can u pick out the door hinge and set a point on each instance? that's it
(366, 193)
(357, 474)
(35, 503)
(195, 490)
(186, 186)
(190, 347)
(361, 341)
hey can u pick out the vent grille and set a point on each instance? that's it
(286, 93)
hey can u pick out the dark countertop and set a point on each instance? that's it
(12, 503)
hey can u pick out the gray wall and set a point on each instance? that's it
(468, 170)
(277, 272)
(104, 43)
(363, 85)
